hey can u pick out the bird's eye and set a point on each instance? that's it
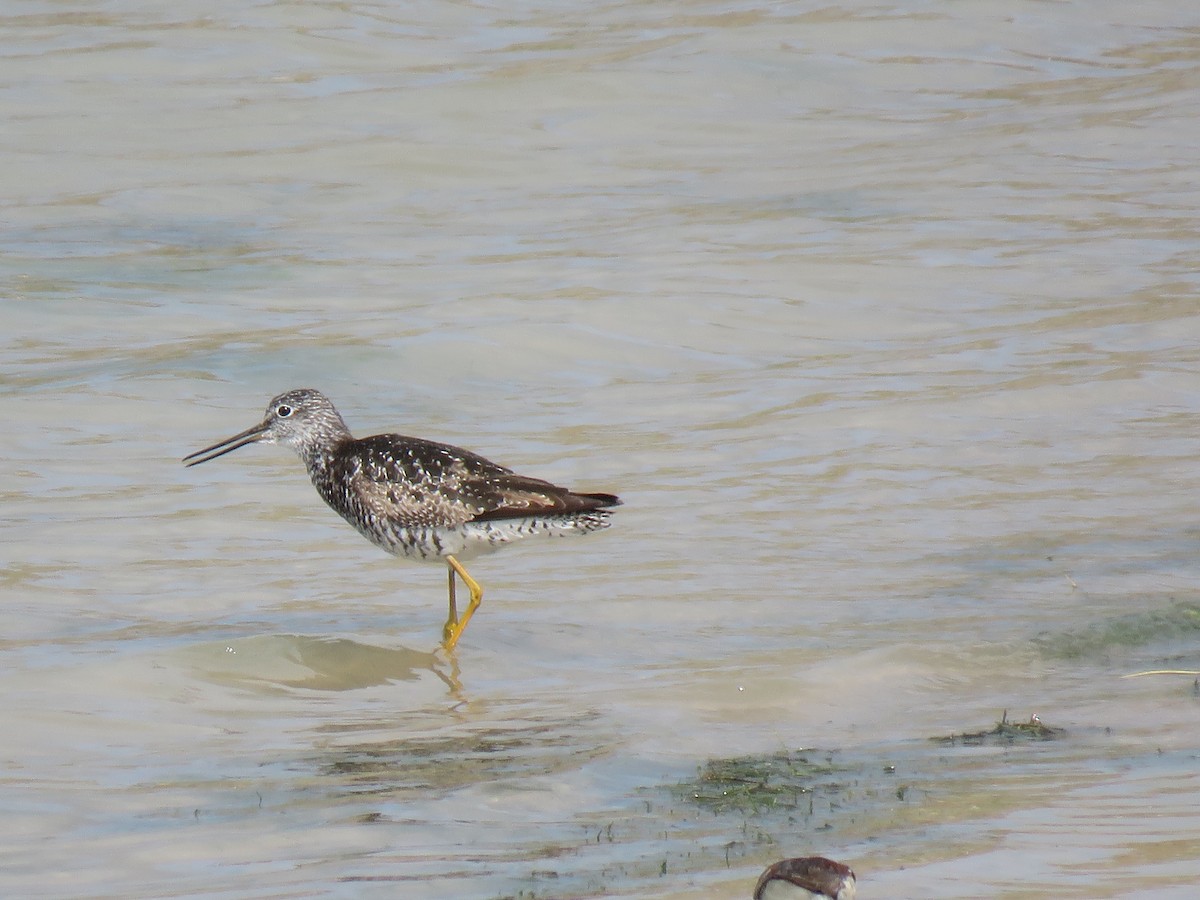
(283, 410)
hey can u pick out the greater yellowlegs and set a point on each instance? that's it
(417, 498)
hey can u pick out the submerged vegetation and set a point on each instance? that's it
(1005, 732)
(1181, 620)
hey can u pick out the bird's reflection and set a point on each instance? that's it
(322, 663)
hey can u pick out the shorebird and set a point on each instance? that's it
(416, 498)
(804, 878)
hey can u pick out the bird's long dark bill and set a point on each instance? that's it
(220, 448)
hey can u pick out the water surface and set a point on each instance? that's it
(881, 319)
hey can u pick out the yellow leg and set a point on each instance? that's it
(454, 625)
(452, 619)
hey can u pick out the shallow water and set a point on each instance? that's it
(881, 320)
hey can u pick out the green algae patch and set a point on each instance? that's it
(749, 785)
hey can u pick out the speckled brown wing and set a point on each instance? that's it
(413, 482)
